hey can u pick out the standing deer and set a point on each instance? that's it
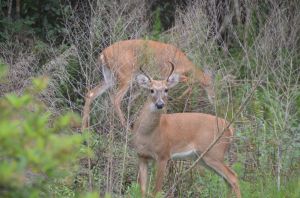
(161, 137)
(121, 60)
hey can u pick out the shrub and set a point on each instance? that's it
(36, 149)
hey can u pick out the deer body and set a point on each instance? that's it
(124, 59)
(121, 60)
(161, 137)
(179, 135)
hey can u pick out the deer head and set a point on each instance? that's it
(158, 88)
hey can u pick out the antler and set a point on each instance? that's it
(141, 69)
(172, 69)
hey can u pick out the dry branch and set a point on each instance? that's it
(61, 61)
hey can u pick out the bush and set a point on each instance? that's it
(36, 149)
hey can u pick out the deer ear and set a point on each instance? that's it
(143, 81)
(173, 80)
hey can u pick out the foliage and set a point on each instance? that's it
(265, 186)
(35, 152)
(134, 190)
(44, 19)
(157, 26)
(3, 70)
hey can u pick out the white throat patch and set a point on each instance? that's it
(152, 107)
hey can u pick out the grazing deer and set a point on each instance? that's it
(160, 137)
(121, 60)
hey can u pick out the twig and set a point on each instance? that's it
(9, 9)
(18, 9)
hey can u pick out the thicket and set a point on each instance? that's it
(39, 155)
(245, 44)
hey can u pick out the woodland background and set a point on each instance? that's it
(48, 54)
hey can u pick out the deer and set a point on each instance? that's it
(121, 61)
(160, 137)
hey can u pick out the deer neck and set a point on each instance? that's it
(149, 119)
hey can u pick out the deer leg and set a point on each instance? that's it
(89, 98)
(228, 174)
(117, 103)
(160, 172)
(142, 175)
(206, 82)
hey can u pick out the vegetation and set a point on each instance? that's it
(36, 154)
(252, 48)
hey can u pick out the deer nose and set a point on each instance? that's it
(159, 105)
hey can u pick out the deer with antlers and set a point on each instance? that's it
(161, 137)
(121, 60)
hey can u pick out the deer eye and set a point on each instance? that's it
(152, 91)
(166, 90)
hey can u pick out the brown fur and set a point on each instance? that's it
(158, 136)
(124, 58)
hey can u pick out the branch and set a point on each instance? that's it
(9, 4)
(18, 9)
(61, 60)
